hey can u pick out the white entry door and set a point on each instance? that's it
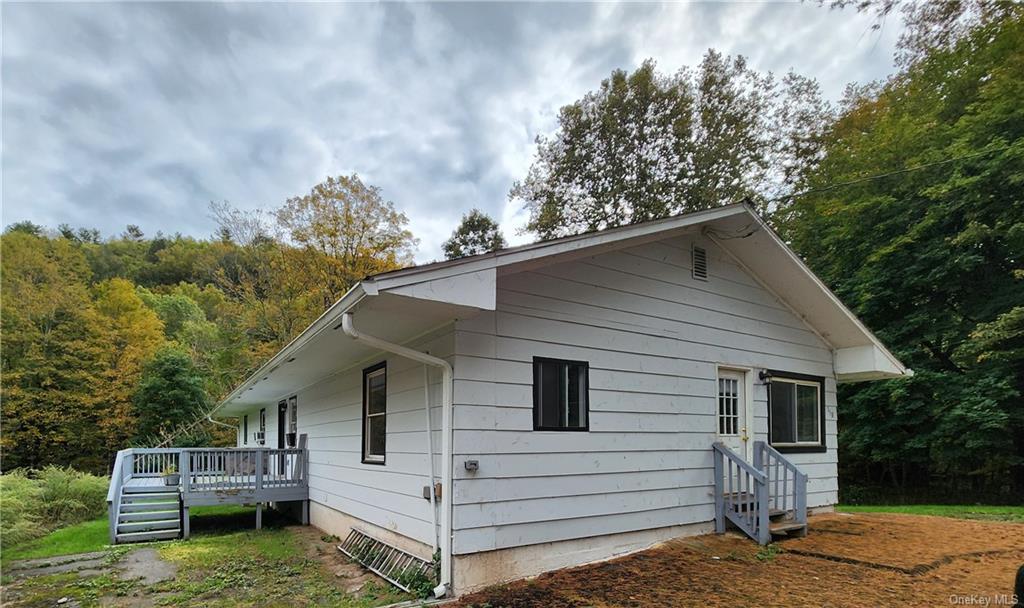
(732, 412)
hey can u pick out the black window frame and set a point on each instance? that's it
(537, 426)
(807, 448)
(383, 365)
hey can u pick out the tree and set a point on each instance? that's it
(477, 233)
(170, 395)
(132, 334)
(931, 258)
(645, 146)
(50, 356)
(346, 231)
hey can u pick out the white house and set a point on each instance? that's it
(575, 391)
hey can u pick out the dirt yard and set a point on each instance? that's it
(846, 560)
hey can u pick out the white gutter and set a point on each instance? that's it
(446, 438)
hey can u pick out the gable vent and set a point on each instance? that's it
(700, 264)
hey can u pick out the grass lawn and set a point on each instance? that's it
(93, 536)
(225, 563)
(982, 512)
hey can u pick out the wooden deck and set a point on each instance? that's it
(141, 504)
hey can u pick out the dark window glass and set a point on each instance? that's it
(560, 398)
(245, 430)
(782, 411)
(796, 412)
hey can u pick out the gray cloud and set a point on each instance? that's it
(143, 113)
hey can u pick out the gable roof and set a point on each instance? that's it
(412, 301)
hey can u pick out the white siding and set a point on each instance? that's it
(330, 413)
(653, 337)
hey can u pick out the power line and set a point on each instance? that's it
(889, 174)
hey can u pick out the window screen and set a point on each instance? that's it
(560, 395)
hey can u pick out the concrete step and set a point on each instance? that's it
(148, 516)
(141, 526)
(145, 507)
(141, 537)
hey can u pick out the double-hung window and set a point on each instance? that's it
(560, 395)
(375, 413)
(797, 412)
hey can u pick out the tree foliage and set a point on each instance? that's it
(931, 259)
(647, 145)
(477, 233)
(128, 340)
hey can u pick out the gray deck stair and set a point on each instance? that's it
(766, 498)
(146, 513)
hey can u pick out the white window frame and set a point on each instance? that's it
(368, 374)
(819, 389)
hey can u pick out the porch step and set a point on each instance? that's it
(148, 516)
(150, 489)
(141, 537)
(143, 497)
(785, 528)
(140, 526)
(144, 507)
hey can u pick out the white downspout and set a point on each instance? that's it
(446, 437)
(430, 459)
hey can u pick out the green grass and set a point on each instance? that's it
(93, 535)
(982, 512)
(79, 538)
(225, 563)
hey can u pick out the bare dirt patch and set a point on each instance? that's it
(846, 560)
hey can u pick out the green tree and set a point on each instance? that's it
(646, 145)
(50, 356)
(170, 395)
(931, 258)
(477, 233)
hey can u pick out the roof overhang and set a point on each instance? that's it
(751, 243)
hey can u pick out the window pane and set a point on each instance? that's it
(782, 402)
(577, 393)
(807, 413)
(560, 391)
(377, 431)
(376, 393)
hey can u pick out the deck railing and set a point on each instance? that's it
(219, 469)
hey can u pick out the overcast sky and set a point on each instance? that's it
(132, 113)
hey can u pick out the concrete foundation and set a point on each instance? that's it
(339, 524)
(477, 570)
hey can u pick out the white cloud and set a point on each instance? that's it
(143, 113)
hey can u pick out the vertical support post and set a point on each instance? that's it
(112, 518)
(259, 516)
(259, 471)
(719, 498)
(186, 523)
(764, 533)
(800, 483)
(305, 512)
(185, 468)
(758, 457)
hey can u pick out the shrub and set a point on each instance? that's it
(33, 503)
